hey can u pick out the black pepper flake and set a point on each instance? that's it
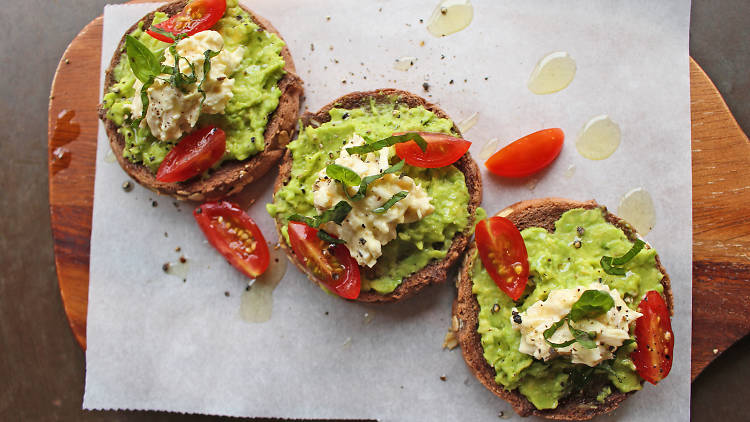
(165, 267)
(166, 234)
(580, 230)
(362, 241)
(363, 226)
(226, 294)
(345, 116)
(326, 312)
(127, 186)
(183, 259)
(426, 86)
(619, 308)
(154, 204)
(451, 82)
(199, 211)
(517, 317)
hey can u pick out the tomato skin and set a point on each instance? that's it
(194, 154)
(197, 16)
(442, 150)
(250, 256)
(331, 264)
(499, 236)
(655, 339)
(527, 155)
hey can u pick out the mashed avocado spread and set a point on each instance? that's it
(555, 263)
(255, 92)
(416, 243)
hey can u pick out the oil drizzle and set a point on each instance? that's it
(570, 171)
(637, 208)
(553, 73)
(466, 124)
(65, 130)
(404, 63)
(60, 159)
(256, 304)
(109, 157)
(177, 269)
(490, 147)
(599, 138)
(449, 17)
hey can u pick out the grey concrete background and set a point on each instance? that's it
(41, 366)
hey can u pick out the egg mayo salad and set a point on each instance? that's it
(572, 328)
(225, 77)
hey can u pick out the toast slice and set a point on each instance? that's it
(533, 213)
(435, 271)
(231, 176)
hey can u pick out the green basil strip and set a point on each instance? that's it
(337, 214)
(144, 64)
(343, 174)
(389, 141)
(592, 303)
(606, 263)
(628, 341)
(322, 235)
(362, 191)
(207, 56)
(637, 246)
(391, 202)
(549, 332)
(160, 31)
(584, 338)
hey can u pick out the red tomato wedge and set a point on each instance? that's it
(503, 254)
(235, 235)
(655, 339)
(197, 16)
(194, 154)
(331, 264)
(442, 150)
(527, 155)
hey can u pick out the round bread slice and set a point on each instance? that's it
(233, 175)
(533, 213)
(435, 271)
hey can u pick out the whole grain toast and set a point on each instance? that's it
(435, 271)
(231, 176)
(533, 213)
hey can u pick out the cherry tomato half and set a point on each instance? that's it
(503, 254)
(442, 150)
(655, 339)
(527, 155)
(197, 16)
(235, 235)
(331, 264)
(194, 154)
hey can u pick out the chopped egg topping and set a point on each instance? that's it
(364, 231)
(611, 328)
(172, 112)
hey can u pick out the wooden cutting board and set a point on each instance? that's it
(721, 194)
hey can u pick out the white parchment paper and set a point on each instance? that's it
(158, 343)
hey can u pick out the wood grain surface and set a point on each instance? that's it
(721, 194)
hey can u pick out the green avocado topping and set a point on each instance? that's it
(416, 244)
(255, 92)
(568, 258)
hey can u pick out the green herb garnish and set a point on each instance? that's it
(343, 174)
(592, 303)
(160, 31)
(362, 191)
(389, 141)
(337, 214)
(144, 64)
(207, 56)
(613, 266)
(324, 236)
(391, 202)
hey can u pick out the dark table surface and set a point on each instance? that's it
(42, 367)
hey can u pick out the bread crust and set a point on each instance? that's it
(435, 271)
(233, 175)
(533, 213)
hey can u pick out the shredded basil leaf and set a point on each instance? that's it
(337, 214)
(584, 338)
(612, 265)
(362, 191)
(207, 56)
(389, 141)
(592, 303)
(343, 174)
(160, 31)
(324, 236)
(391, 202)
(549, 332)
